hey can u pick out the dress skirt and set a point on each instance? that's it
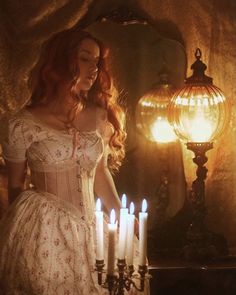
(47, 248)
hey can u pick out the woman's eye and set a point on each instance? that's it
(84, 59)
(88, 60)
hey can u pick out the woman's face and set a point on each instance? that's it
(88, 57)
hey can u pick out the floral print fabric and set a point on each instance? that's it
(47, 242)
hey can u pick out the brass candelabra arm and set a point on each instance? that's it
(123, 279)
(143, 270)
(99, 267)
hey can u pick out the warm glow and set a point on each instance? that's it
(98, 205)
(199, 111)
(144, 205)
(146, 104)
(124, 200)
(200, 129)
(151, 113)
(198, 117)
(162, 131)
(112, 216)
(131, 208)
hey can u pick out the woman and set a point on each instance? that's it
(70, 136)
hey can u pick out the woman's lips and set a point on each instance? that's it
(90, 78)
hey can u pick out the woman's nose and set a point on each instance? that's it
(94, 67)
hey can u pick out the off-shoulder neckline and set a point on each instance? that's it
(62, 131)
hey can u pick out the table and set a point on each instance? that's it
(192, 278)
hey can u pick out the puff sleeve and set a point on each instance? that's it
(18, 139)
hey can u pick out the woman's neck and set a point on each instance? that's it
(62, 106)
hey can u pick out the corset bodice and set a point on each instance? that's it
(62, 163)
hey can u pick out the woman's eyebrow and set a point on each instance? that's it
(85, 50)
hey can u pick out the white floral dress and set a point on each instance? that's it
(47, 241)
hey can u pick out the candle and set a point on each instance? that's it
(112, 228)
(99, 231)
(130, 235)
(143, 234)
(123, 228)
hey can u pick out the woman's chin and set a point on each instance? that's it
(85, 87)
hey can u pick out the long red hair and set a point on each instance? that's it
(58, 64)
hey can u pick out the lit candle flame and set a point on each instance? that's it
(124, 200)
(112, 216)
(131, 208)
(98, 205)
(144, 205)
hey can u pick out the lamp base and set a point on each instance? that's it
(201, 244)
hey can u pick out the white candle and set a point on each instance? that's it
(130, 235)
(99, 231)
(143, 234)
(112, 228)
(123, 228)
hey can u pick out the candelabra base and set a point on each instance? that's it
(125, 279)
(99, 268)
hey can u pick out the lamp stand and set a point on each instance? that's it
(201, 243)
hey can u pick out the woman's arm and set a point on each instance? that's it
(104, 187)
(16, 179)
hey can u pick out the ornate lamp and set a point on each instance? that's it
(199, 113)
(152, 112)
(152, 122)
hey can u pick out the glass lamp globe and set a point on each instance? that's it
(199, 111)
(151, 113)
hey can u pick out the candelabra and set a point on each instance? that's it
(124, 279)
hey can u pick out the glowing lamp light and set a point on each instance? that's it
(200, 129)
(162, 131)
(152, 113)
(199, 111)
